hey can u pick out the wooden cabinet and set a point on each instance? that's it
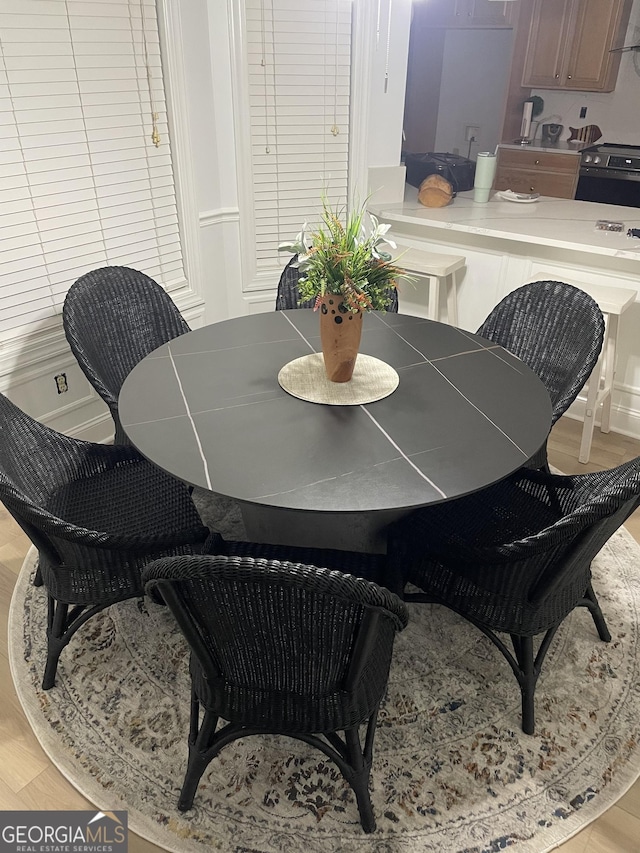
(570, 42)
(458, 14)
(544, 172)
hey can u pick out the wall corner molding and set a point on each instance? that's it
(221, 216)
(172, 40)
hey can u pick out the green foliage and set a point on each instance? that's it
(343, 259)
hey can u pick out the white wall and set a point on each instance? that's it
(616, 113)
(386, 107)
(475, 71)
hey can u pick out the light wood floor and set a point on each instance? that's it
(29, 781)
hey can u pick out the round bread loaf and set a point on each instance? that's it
(435, 191)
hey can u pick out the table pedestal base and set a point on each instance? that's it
(349, 531)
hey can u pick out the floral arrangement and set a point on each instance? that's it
(344, 259)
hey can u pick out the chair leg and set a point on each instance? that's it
(361, 766)
(523, 647)
(62, 623)
(354, 761)
(529, 667)
(56, 640)
(591, 602)
(200, 737)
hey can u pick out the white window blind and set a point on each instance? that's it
(82, 183)
(299, 58)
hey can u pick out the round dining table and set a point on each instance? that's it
(207, 407)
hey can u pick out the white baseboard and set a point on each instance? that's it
(98, 429)
(625, 420)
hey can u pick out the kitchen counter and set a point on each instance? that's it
(554, 222)
(551, 147)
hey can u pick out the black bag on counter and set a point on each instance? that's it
(459, 171)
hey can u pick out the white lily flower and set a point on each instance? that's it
(379, 232)
(303, 237)
(292, 248)
(300, 245)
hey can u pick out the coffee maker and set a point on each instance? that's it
(551, 133)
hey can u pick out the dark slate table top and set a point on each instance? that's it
(207, 408)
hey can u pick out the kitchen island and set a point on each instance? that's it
(556, 223)
(508, 243)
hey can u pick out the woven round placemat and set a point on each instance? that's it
(306, 379)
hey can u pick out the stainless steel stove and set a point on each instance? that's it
(610, 174)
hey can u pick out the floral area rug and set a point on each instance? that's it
(452, 769)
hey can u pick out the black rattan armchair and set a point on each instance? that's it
(288, 295)
(516, 557)
(285, 648)
(557, 330)
(113, 317)
(97, 514)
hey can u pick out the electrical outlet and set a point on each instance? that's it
(61, 382)
(471, 132)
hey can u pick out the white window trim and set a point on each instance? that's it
(171, 43)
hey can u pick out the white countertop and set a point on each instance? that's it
(557, 222)
(550, 147)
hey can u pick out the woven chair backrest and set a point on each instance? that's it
(590, 498)
(582, 499)
(32, 457)
(39, 469)
(556, 329)
(278, 628)
(113, 317)
(579, 555)
(595, 505)
(30, 454)
(288, 295)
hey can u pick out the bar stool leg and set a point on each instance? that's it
(590, 412)
(434, 297)
(609, 371)
(452, 299)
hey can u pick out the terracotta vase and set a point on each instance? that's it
(340, 332)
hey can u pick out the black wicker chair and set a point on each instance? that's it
(288, 295)
(96, 513)
(279, 647)
(515, 558)
(557, 330)
(113, 317)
